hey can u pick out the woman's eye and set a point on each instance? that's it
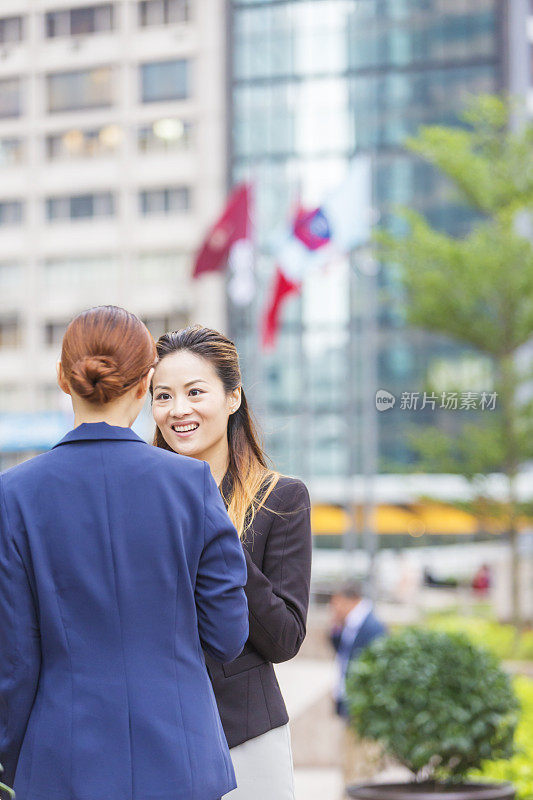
(162, 396)
(198, 392)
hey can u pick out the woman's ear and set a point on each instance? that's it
(235, 400)
(61, 380)
(144, 383)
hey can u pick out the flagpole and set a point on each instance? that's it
(367, 267)
(305, 415)
(352, 532)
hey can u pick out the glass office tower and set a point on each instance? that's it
(314, 83)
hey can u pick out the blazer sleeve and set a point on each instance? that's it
(221, 604)
(20, 648)
(278, 595)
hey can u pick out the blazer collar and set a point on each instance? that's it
(226, 488)
(98, 431)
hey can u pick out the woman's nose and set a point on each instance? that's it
(181, 406)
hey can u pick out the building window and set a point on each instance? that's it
(54, 332)
(10, 30)
(79, 21)
(157, 325)
(9, 401)
(160, 267)
(75, 143)
(164, 135)
(164, 201)
(52, 398)
(11, 212)
(10, 97)
(11, 151)
(73, 91)
(10, 276)
(66, 274)
(81, 206)
(9, 332)
(163, 12)
(164, 80)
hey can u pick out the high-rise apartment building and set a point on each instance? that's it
(112, 164)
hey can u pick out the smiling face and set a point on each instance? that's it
(191, 408)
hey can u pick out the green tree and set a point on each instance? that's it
(478, 289)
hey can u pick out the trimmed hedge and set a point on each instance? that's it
(438, 704)
(518, 769)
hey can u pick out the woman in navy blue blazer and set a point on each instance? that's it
(118, 564)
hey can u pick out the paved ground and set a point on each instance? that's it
(318, 784)
(316, 732)
(306, 685)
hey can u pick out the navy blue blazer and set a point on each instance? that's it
(371, 628)
(118, 564)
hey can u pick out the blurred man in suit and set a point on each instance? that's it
(354, 626)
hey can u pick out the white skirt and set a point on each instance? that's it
(263, 767)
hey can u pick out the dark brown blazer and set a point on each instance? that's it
(278, 555)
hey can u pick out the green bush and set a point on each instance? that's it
(502, 640)
(438, 704)
(518, 769)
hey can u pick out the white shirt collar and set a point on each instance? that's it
(358, 614)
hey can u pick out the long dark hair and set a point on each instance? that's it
(251, 478)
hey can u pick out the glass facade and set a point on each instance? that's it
(315, 83)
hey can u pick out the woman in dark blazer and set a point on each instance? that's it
(200, 410)
(118, 564)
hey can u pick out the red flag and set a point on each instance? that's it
(230, 227)
(282, 288)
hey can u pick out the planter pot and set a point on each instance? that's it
(432, 791)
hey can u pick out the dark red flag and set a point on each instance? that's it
(230, 227)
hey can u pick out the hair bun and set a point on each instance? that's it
(96, 378)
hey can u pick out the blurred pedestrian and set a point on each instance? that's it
(118, 562)
(354, 627)
(482, 581)
(200, 410)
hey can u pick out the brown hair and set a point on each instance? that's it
(106, 350)
(251, 478)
